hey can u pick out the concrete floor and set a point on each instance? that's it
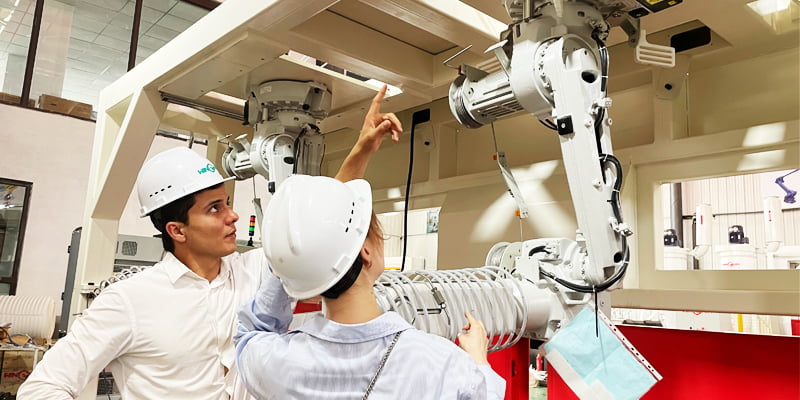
(538, 393)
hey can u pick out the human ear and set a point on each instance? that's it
(175, 231)
(366, 257)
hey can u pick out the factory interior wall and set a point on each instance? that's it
(53, 152)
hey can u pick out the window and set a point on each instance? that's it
(14, 198)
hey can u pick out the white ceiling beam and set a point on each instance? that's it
(451, 20)
(350, 45)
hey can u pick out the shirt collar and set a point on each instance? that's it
(176, 269)
(386, 324)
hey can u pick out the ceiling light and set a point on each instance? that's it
(340, 73)
(766, 7)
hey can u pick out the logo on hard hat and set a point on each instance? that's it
(208, 168)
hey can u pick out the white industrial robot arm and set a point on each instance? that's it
(554, 66)
(287, 140)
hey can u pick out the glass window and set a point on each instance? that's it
(14, 197)
(161, 22)
(83, 46)
(16, 19)
(733, 223)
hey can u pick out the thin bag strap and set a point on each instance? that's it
(380, 366)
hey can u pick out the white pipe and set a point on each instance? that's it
(703, 230)
(773, 223)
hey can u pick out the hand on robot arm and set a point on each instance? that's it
(377, 125)
(474, 340)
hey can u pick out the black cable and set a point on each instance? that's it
(601, 113)
(609, 158)
(596, 288)
(408, 190)
(297, 149)
(418, 117)
(548, 124)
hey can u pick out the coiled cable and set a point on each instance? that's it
(435, 301)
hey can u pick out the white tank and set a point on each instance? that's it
(675, 258)
(736, 256)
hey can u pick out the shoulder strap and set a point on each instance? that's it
(380, 366)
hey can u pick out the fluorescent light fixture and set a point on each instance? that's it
(341, 73)
(766, 7)
(390, 89)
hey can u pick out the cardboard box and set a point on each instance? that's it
(64, 106)
(16, 366)
(12, 99)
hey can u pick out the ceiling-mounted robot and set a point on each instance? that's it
(287, 140)
(554, 66)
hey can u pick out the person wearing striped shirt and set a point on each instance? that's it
(321, 237)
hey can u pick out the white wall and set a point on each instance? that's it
(52, 151)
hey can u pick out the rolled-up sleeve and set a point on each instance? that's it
(262, 320)
(104, 332)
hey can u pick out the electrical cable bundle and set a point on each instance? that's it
(435, 301)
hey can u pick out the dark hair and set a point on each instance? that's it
(349, 278)
(177, 211)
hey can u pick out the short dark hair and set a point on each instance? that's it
(177, 211)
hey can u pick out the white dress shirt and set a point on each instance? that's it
(165, 333)
(323, 359)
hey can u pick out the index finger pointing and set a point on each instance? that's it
(376, 101)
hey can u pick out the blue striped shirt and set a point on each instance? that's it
(323, 359)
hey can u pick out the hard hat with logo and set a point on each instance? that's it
(173, 174)
(314, 227)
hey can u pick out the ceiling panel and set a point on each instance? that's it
(381, 22)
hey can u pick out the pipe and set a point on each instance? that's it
(703, 220)
(676, 210)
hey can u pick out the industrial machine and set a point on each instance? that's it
(287, 140)
(554, 66)
(133, 253)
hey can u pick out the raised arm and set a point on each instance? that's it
(376, 126)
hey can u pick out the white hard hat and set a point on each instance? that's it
(314, 227)
(173, 174)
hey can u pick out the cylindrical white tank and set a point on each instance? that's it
(675, 258)
(736, 256)
(34, 316)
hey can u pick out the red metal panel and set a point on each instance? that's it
(711, 365)
(512, 365)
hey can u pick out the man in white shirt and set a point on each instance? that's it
(166, 333)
